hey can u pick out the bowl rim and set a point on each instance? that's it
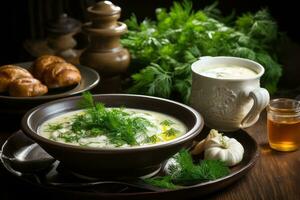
(28, 130)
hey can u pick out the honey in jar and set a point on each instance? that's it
(283, 124)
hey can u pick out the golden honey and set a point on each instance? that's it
(283, 124)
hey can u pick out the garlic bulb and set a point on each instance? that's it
(223, 148)
(219, 147)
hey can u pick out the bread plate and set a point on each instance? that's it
(19, 105)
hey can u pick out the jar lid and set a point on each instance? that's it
(284, 106)
(63, 25)
(104, 8)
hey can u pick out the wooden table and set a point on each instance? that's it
(276, 175)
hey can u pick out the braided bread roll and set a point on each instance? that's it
(41, 63)
(61, 75)
(27, 87)
(9, 73)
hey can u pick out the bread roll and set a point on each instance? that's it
(9, 73)
(42, 62)
(27, 87)
(61, 75)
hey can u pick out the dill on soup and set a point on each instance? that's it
(99, 126)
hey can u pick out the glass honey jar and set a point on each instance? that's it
(283, 124)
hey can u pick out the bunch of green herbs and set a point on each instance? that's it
(185, 172)
(162, 51)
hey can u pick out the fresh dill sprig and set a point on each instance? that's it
(161, 181)
(116, 124)
(185, 172)
(87, 100)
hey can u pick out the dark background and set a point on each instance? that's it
(26, 19)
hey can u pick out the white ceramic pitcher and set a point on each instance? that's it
(228, 104)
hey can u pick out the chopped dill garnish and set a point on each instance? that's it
(185, 172)
(171, 132)
(167, 122)
(53, 127)
(152, 139)
(116, 124)
(69, 136)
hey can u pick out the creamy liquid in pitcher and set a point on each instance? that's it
(227, 71)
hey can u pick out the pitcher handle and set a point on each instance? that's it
(261, 99)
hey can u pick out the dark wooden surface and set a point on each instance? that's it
(276, 175)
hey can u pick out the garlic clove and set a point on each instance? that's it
(199, 147)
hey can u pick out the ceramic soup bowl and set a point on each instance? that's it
(99, 162)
